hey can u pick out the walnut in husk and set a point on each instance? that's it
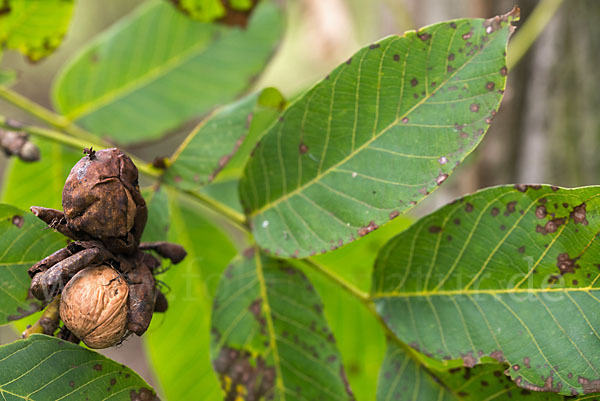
(102, 200)
(105, 276)
(94, 306)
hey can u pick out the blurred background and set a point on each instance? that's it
(547, 129)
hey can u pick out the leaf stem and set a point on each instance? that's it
(56, 120)
(332, 276)
(73, 142)
(531, 30)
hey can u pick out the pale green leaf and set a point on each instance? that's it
(23, 242)
(216, 141)
(156, 68)
(376, 136)
(508, 273)
(269, 336)
(40, 183)
(7, 77)
(43, 368)
(157, 226)
(34, 27)
(179, 340)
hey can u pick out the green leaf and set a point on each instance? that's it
(34, 27)
(132, 86)
(402, 376)
(46, 368)
(179, 341)
(509, 273)
(211, 10)
(376, 136)
(40, 183)
(215, 141)
(23, 242)
(225, 192)
(158, 222)
(360, 337)
(269, 336)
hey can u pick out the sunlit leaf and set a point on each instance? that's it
(376, 136)
(34, 27)
(232, 12)
(23, 241)
(44, 368)
(156, 68)
(269, 336)
(179, 341)
(508, 273)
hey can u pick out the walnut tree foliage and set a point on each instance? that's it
(304, 278)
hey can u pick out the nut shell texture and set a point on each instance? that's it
(94, 306)
(97, 196)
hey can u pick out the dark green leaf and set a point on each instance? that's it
(509, 273)
(46, 368)
(179, 340)
(23, 242)
(359, 335)
(156, 69)
(216, 141)
(269, 336)
(34, 27)
(404, 378)
(376, 136)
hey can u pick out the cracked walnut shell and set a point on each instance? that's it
(94, 306)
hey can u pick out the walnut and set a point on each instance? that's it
(94, 306)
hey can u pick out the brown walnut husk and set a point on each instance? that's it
(101, 198)
(94, 306)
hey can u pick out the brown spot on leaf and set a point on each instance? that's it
(97, 367)
(566, 264)
(510, 208)
(527, 362)
(424, 36)
(540, 212)
(589, 386)
(468, 35)
(394, 214)
(490, 86)
(474, 107)
(18, 221)
(405, 120)
(414, 82)
(142, 395)
(302, 148)
(451, 57)
(498, 355)
(441, 178)
(435, 229)
(396, 57)
(495, 211)
(238, 369)
(522, 249)
(468, 360)
(579, 215)
(504, 71)
(366, 230)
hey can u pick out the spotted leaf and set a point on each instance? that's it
(231, 12)
(376, 136)
(46, 368)
(23, 242)
(507, 274)
(269, 336)
(34, 27)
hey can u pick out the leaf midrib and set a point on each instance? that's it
(448, 293)
(395, 122)
(144, 80)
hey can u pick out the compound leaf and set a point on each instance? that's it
(269, 335)
(156, 68)
(46, 368)
(508, 273)
(376, 136)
